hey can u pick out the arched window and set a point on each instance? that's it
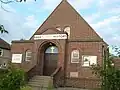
(58, 28)
(67, 30)
(75, 56)
(52, 49)
(28, 55)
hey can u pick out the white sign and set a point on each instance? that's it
(89, 60)
(50, 36)
(75, 56)
(73, 74)
(16, 58)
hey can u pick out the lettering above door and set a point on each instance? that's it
(50, 36)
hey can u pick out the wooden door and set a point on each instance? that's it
(50, 60)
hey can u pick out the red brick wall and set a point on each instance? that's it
(20, 48)
(85, 48)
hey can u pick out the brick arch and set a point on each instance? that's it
(50, 41)
(41, 49)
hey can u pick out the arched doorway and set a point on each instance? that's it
(50, 59)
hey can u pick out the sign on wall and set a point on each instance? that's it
(89, 60)
(74, 74)
(75, 56)
(16, 58)
(50, 36)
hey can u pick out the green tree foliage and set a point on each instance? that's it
(2, 29)
(117, 50)
(26, 88)
(11, 78)
(110, 76)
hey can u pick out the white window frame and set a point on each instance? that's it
(27, 55)
(58, 28)
(67, 30)
(75, 58)
(89, 62)
(1, 50)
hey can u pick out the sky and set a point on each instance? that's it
(23, 19)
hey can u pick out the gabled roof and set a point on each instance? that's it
(65, 14)
(4, 44)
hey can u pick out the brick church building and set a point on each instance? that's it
(63, 47)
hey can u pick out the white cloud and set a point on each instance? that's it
(18, 26)
(91, 18)
(104, 3)
(109, 29)
(78, 4)
(50, 4)
(31, 22)
(81, 4)
(114, 10)
(106, 22)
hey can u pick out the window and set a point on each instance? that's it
(75, 56)
(3, 65)
(0, 66)
(1, 52)
(28, 55)
(67, 30)
(58, 28)
(52, 49)
(89, 60)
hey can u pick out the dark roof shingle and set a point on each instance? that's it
(4, 44)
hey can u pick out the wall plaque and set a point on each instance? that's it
(88, 60)
(16, 58)
(73, 74)
(75, 56)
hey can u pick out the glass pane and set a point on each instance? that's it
(52, 49)
(1, 52)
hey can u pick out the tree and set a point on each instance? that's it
(110, 76)
(2, 29)
(10, 1)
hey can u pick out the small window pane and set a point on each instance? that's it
(1, 52)
(28, 55)
(52, 49)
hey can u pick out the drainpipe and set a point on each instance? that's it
(65, 59)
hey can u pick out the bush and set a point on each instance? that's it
(11, 78)
(26, 88)
(110, 76)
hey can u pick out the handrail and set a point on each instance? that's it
(29, 73)
(56, 71)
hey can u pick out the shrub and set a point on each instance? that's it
(26, 88)
(11, 78)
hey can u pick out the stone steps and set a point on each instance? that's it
(41, 81)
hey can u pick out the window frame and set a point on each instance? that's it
(58, 28)
(28, 56)
(67, 31)
(1, 50)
